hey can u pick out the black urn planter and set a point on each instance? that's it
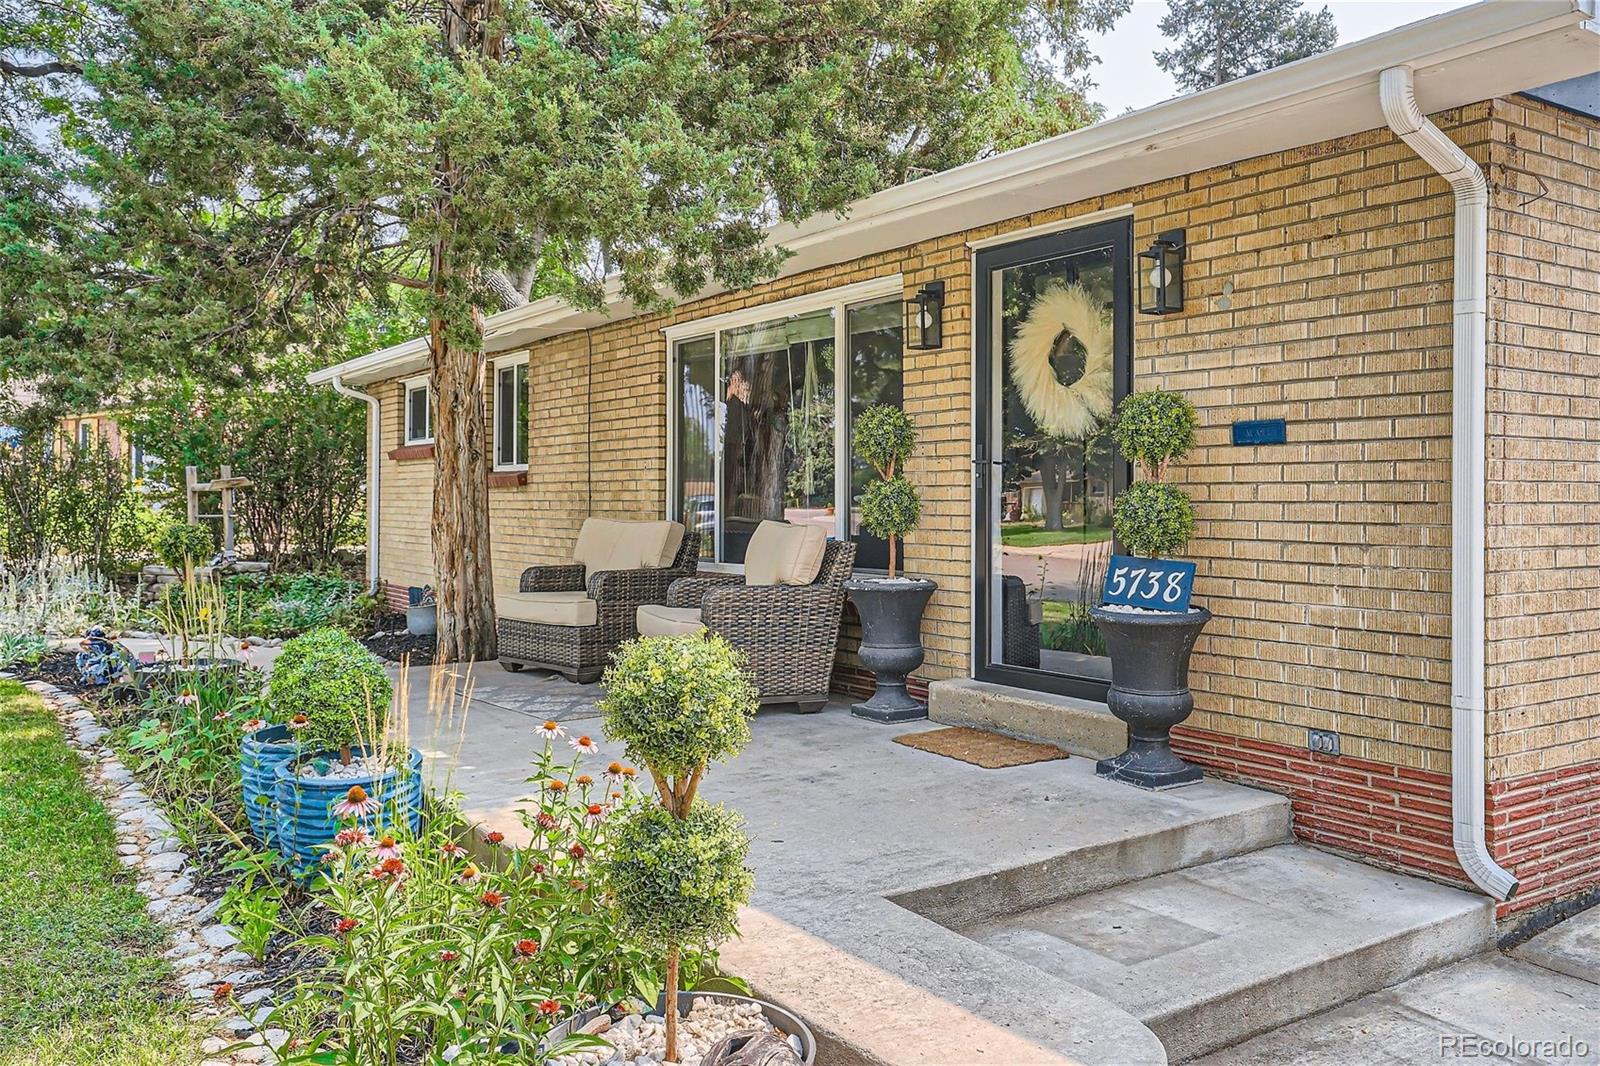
(1149, 691)
(891, 642)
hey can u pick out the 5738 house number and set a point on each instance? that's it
(1154, 584)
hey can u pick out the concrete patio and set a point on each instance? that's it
(917, 909)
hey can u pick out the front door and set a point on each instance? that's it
(1054, 332)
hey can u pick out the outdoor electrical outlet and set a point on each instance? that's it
(1322, 742)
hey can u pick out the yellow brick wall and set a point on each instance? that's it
(405, 544)
(1544, 440)
(1318, 291)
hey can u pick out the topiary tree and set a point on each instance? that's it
(325, 685)
(183, 544)
(1154, 518)
(884, 437)
(677, 871)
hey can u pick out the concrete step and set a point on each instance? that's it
(1080, 726)
(1211, 955)
(1487, 1008)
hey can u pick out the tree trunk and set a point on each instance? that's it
(461, 559)
(672, 1004)
(1052, 478)
(464, 577)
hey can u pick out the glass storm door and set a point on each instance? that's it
(1054, 328)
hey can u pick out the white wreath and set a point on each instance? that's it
(1072, 411)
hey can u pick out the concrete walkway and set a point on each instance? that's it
(873, 860)
(841, 819)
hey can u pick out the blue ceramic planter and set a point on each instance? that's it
(306, 823)
(259, 758)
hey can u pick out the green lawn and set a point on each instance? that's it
(1034, 535)
(81, 975)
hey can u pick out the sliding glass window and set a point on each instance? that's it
(761, 416)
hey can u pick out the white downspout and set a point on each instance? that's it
(374, 468)
(1471, 281)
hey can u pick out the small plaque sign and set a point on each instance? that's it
(1261, 431)
(1154, 584)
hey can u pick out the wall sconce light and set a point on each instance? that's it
(1161, 275)
(927, 316)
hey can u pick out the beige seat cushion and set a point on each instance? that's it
(657, 621)
(549, 608)
(783, 554)
(618, 544)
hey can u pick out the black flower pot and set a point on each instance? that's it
(891, 642)
(1150, 691)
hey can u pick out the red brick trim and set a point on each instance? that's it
(1544, 827)
(504, 479)
(411, 451)
(1390, 815)
(396, 597)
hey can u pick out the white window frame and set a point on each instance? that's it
(408, 386)
(507, 362)
(839, 300)
(85, 434)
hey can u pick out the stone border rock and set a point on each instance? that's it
(204, 953)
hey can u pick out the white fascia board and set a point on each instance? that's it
(1474, 53)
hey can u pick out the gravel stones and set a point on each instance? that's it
(641, 1040)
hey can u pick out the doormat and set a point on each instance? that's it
(992, 751)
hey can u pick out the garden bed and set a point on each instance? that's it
(389, 640)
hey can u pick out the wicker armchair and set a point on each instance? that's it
(788, 633)
(579, 651)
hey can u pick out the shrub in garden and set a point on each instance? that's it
(67, 501)
(184, 546)
(1152, 517)
(328, 688)
(884, 437)
(677, 872)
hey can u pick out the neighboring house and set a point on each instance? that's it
(1331, 279)
(84, 430)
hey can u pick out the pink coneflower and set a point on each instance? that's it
(494, 838)
(253, 725)
(222, 715)
(527, 949)
(357, 803)
(223, 992)
(390, 870)
(596, 814)
(550, 730)
(628, 771)
(493, 900)
(577, 851)
(584, 780)
(345, 926)
(585, 745)
(297, 723)
(451, 850)
(187, 699)
(577, 884)
(614, 772)
(469, 874)
(549, 1008)
(386, 848)
(555, 784)
(538, 869)
(449, 956)
(546, 821)
(244, 653)
(351, 836)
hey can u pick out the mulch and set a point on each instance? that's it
(389, 641)
(59, 668)
(992, 751)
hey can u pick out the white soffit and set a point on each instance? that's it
(1463, 56)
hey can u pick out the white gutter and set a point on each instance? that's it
(374, 469)
(1471, 279)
